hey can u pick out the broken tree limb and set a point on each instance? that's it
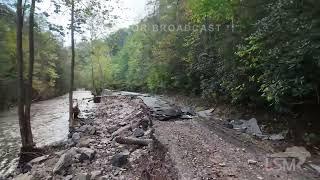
(120, 130)
(133, 141)
(128, 127)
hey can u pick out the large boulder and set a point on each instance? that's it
(65, 161)
(86, 154)
(120, 159)
(76, 137)
(85, 142)
(188, 111)
(250, 127)
(138, 132)
(253, 128)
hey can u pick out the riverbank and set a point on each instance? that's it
(136, 136)
(92, 149)
(49, 120)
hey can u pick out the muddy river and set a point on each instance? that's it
(49, 125)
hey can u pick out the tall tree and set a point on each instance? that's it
(31, 64)
(71, 119)
(25, 127)
(94, 12)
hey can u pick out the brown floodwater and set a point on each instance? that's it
(49, 121)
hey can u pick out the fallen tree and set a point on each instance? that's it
(133, 141)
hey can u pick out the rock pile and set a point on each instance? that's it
(106, 145)
(251, 127)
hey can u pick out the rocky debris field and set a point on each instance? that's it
(114, 141)
(137, 136)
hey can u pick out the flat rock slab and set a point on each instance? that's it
(250, 127)
(39, 159)
(24, 177)
(160, 109)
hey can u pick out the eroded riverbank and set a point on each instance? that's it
(94, 150)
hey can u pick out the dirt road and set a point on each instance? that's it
(200, 152)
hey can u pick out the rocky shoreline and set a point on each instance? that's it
(98, 147)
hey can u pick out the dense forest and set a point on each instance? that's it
(50, 68)
(257, 53)
(251, 52)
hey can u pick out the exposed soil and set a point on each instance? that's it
(203, 152)
(157, 165)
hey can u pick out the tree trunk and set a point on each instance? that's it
(30, 73)
(92, 76)
(92, 69)
(25, 130)
(101, 72)
(71, 119)
(133, 141)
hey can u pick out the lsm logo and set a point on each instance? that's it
(290, 160)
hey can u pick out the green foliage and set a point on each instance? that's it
(270, 58)
(282, 56)
(49, 67)
(218, 10)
